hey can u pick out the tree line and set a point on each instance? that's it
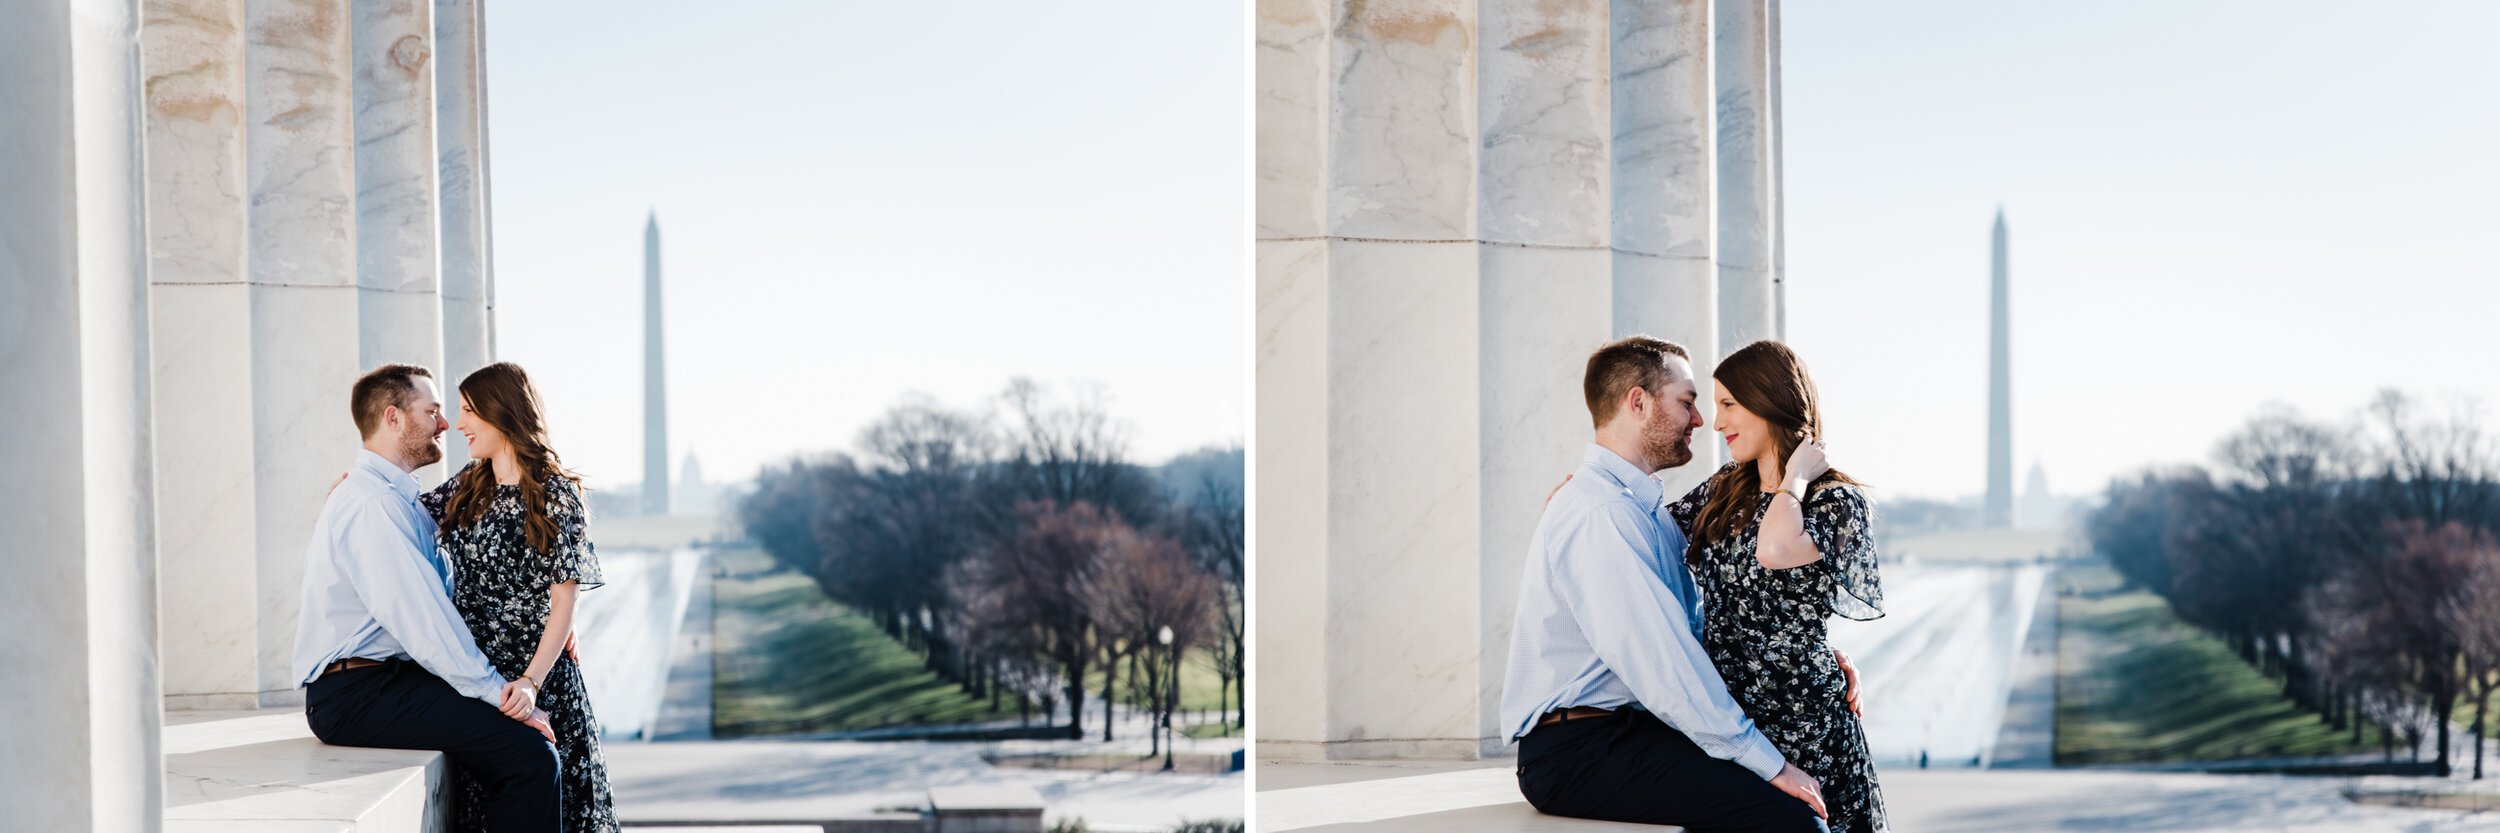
(2354, 562)
(1015, 547)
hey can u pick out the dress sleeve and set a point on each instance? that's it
(572, 558)
(1840, 523)
(1688, 507)
(440, 496)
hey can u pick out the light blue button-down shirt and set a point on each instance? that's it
(1608, 617)
(375, 586)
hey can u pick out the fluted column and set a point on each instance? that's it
(202, 329)
(1545, 289)
(1403, 330)
(398, 278)
(1291, 119)
(1666, 281)
(460, 120)
(300, 140)
(85, 752)
(1779, 191)
(1747, 200)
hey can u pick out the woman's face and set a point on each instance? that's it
(484, 440)
(1748, 436)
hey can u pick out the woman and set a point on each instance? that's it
(1775, 557)
(513, 526)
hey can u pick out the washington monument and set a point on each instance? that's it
(654, 379)
(2000, 396)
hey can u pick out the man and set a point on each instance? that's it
(1618, 713)
(384, 657)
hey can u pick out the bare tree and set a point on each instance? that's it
(1147, 585)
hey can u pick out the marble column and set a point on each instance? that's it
(1779, 191)
(1747, 201)
(460, 120)
(193, 55)
(1666, 283)
(85, 737)
(1403, 380)
(1291, 120)
(1545, 289)
(399, 300)
(300, 139)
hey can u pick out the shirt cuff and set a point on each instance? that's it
(1760, 756)
(494, 691)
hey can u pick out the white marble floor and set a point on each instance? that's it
(1481, 797)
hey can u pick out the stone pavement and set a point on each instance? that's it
(1481, 797)
(784, 780)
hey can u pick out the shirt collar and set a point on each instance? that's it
(1644, 486)
(402, 482)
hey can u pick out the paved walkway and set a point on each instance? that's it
(686, 707)
(775, 781)
(1481, 797)
(2028, 737)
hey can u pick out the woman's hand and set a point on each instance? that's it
(1805, 465)
(519, 698)
(334, 485)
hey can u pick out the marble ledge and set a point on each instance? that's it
(262, 770)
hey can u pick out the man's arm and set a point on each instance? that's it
(404, 594)
(1639, 630)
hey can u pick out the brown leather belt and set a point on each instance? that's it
(349, 663)
(1571, 714)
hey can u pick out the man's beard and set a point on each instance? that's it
(1669, 446)
(422, 451)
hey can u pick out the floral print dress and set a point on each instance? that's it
(1764, 630)
(501, 587)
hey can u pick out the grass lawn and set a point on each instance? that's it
(793, 661)
(2135, 684)
(1201, 689)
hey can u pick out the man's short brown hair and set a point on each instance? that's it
(1615, 369)
(380, 389)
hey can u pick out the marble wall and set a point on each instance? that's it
(1457, 202)
(273, 211)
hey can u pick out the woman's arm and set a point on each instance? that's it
(559, 628)
(1781, 542)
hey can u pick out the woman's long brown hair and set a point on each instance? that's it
(1771, 382)
(501, 394)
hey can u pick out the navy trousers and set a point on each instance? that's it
(398, 705)
(1630, 766)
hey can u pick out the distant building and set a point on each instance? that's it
(2041, 508)
(2000, 505)
(654, 379)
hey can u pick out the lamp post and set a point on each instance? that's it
(1171, 696)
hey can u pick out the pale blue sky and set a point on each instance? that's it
(863, 199)
(2212, 206)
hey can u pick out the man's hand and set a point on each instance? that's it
(1549, 496)
(569, 638)
(537, 719)
(1856, 707)
(1806, 463)
(519, 697)
(1796, 782)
